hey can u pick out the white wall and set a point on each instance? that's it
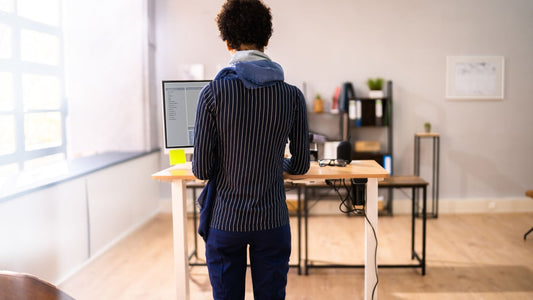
(106, 72)
(486, 146)
(45, 233)
(53, 232)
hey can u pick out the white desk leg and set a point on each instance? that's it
(370, 242)
(181, 254)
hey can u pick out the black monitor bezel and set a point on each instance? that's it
(163, 82)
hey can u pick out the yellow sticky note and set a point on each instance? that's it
(177, 156)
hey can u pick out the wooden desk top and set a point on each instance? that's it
(175, 172)
(357, 169)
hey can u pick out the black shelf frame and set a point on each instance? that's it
(350, 130)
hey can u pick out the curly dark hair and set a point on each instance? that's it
(245, 22)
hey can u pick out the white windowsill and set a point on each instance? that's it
(31, 181)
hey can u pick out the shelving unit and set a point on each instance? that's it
(372, 128)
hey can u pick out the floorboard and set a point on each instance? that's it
(469, 256)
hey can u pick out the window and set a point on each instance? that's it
(32, 105)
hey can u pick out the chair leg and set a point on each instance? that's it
(525, 235)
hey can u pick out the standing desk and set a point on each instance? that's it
(180, 174)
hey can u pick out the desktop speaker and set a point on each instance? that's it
(344, 151)
(359, 191)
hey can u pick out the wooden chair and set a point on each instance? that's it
(529, 193)
(15, 286)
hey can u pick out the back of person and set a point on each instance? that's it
(244, 119)
(253, 128)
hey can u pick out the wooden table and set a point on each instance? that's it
(415, 183)
(25, 286)
(179, 174)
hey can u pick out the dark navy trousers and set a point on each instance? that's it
(226, 254)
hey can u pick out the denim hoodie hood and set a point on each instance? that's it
(254, 68)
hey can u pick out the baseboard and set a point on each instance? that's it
(470, 205)
(402, 206)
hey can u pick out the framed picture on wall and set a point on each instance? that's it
(474, 77)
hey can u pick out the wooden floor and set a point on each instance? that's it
(468, 257)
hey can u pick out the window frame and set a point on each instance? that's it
(17, 68)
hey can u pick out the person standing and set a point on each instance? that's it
(244, 119)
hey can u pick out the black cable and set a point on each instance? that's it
(345, 205)
(352, 209)
(375, 252)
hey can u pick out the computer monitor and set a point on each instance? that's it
(180, 98)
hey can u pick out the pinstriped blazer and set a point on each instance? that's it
(242, 132)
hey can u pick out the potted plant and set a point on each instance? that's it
(318, 104)
(376, 87)
(427, 127)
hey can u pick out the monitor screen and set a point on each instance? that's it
(179, 111)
